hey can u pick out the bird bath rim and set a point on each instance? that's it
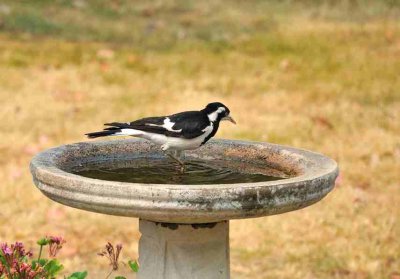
(175, 203)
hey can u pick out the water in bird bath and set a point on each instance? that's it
(162, 171)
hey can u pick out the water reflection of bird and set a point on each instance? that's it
(174, 133)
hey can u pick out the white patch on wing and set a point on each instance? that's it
(129, 132)
(167, 125)
(214, 115)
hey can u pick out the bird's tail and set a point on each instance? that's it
(101, 134)
(118, 129)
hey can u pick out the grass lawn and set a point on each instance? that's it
(319, 75)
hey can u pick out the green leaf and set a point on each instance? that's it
(120, 277)
(78, 275)
(34, 262)
(134, 266)
(3, 260)
(42, 242)
(41, 262)
(53, 267)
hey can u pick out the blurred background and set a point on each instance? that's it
(318, 74)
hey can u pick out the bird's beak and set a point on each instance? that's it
(228, 118)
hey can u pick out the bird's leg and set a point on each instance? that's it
(175, 157)
(178, 154)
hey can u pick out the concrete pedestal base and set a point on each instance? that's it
(181, 251)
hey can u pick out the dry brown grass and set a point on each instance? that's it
(316, 84)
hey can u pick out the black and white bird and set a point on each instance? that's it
(174, 133)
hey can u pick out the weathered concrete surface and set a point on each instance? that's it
(172, 251)
(313, 176)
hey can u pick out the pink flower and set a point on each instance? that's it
(7, 250)
(14, 265)
(55, 244)
(19, 249)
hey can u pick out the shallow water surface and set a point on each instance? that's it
(168, 172)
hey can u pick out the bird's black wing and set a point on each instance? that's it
(188, 125)
(148, 124)
(192, 123)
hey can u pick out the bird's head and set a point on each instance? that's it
(218, 112)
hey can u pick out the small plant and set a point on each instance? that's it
(113, 256)
(16, 263)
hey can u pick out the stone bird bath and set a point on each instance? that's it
(185, 228)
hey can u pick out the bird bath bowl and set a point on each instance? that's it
(185, 227)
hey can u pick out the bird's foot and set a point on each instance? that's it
(180, 163)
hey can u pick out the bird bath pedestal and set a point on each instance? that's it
(185, 228)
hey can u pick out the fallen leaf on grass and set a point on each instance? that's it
(322, 121)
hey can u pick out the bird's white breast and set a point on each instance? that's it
(187, 144)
